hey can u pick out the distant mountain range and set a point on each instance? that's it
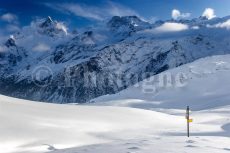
(44, 62)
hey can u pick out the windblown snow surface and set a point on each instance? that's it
(131, 121)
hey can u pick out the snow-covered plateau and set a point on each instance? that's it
(130, 121)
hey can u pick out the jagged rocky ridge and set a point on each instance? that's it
(101, 60)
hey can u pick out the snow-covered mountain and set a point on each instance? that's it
(105, 59)
(202, 85)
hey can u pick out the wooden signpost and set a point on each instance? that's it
(188, 120)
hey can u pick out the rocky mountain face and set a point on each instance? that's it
(44, 62)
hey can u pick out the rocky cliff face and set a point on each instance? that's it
(79, 67)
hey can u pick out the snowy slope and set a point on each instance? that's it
(35, 126)
(31, 127)
(202, 84)
(204, 87)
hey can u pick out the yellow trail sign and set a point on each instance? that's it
(190, 120)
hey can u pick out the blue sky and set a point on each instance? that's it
(81, 13)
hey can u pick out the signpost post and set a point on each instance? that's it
(187, 117)
(188, 120)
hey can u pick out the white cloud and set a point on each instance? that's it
(11, 23)
(225, 24)
(9, 17)
(12, 28)
(115, 9)
(41, 47)
(171, 27)
(195, 27)
(93, 12)
(83, 11)
(176, 14)
(62, 27)
(209, 13)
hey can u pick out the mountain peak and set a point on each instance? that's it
(49, 18)
(51, 27)
(48, 22)
(10, 42)
(127, 24)
(203, 18)
(124, 20)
